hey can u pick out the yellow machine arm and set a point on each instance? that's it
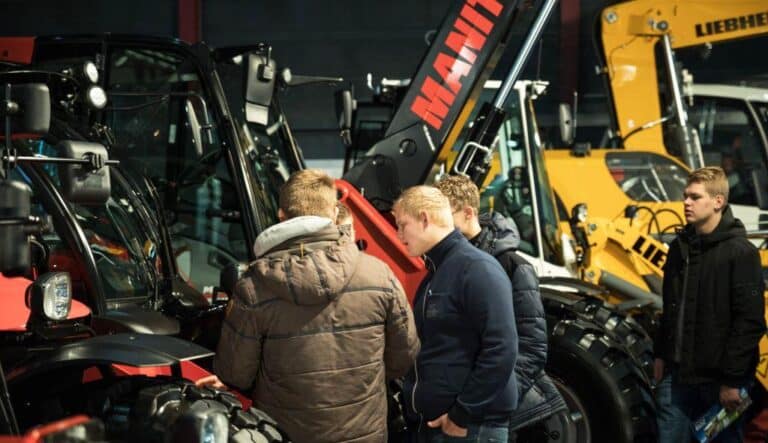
(629, 34)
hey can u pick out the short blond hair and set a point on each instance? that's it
(428, 199)
(308, 192)
(345, 216)
(713, 178)
(461, 192)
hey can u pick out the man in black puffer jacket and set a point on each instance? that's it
(707, 342)
(499, 237)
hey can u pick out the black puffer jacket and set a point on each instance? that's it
(716, 280)
(538, 396)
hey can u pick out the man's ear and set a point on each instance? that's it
(281, 214)
(424, 219)
(469, 212)
(719, 202)
(335, 213)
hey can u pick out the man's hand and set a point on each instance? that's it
(730, 398)
(211, 381)
(658, 369)
(447, 426)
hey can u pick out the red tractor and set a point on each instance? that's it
(62, 353)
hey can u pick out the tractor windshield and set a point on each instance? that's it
(167, 121)
(121, 241)
(162, 129)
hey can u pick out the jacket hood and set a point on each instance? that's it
(498, 235)
(728, 227)
(305, 260)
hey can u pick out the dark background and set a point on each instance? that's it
(353, 38)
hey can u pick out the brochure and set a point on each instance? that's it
(706, 427)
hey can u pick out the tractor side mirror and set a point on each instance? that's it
(230, 275)
(85, 184)
(15, 207)
(345, 107)
(565, 121)
(29, 107)
(760, 184)
(259, 87)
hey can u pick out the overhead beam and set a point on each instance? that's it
(189, 25)
(570, 12)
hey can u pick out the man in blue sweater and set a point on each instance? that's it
(463, 383)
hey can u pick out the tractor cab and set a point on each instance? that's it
(65, 214)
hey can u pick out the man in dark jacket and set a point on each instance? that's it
(498, 236)
(463, 383)
(707, 343)
(316, 326)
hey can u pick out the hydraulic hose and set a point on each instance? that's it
(631, 290)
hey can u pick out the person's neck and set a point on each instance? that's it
(474, 229)
(708, 226)
(437, 235)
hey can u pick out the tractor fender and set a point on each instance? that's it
(131, 349)
(134, 319)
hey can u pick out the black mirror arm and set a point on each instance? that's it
(90, 160)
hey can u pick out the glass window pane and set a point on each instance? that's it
(645, 176)
(163, 130)
(730, 139)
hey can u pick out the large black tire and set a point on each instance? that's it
(159, 409)
(619, 327)
(608, 396)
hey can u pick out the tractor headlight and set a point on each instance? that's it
(91, 72)
(52, 295)
(96, 97)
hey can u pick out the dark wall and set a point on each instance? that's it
(350, 39)
(40, 17)
(340, 39)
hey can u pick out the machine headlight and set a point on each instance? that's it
(91, 72)
(52, 295)
(96, 97)
(579, 213)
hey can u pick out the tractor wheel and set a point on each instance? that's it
(608, 397)
(569, 426)
(148, 409)
(621, 328)
(179, 407)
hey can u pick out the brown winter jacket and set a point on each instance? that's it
(314, 329)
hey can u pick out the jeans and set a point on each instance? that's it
(680, 404)
(476, 433)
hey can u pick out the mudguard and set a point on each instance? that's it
(136, 350)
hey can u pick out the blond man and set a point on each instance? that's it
(463, 382)
(707, 343)
(316, 327)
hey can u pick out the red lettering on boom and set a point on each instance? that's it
(465, 40)
(432, 105)
(476, 19)
(492, 6)
(451, 70)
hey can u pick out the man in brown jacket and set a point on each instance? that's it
(316, 327)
